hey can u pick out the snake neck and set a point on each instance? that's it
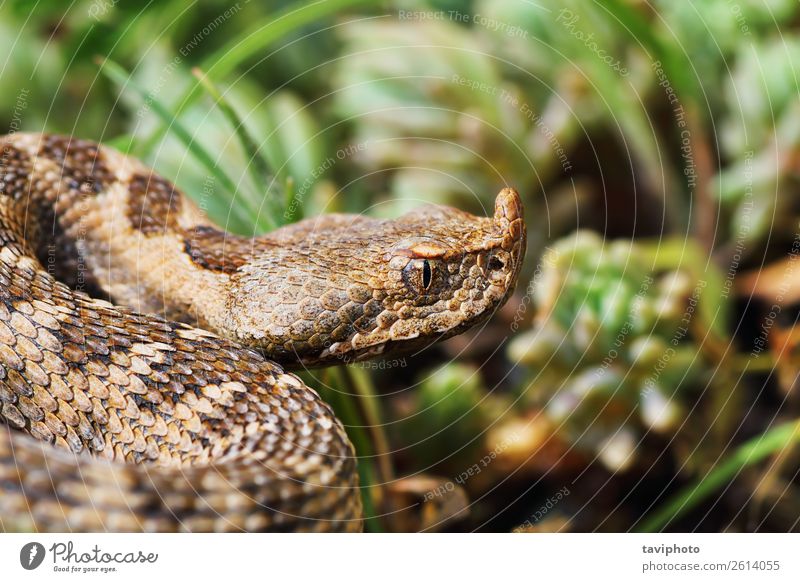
(104, 224)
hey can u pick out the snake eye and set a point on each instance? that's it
(418, 275)
(427, 274)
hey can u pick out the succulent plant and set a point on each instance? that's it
(611, 351)
(462, 102)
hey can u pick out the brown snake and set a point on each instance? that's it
(127, 418)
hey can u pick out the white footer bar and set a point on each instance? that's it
(402, 557)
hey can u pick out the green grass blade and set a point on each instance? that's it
(250, 43)
(289, 195)
(751, 452)
(335, 391)
(228, 57)
(257, 166)
(120, 76)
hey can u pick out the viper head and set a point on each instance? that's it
(346, 288)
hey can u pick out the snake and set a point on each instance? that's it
(149, 359)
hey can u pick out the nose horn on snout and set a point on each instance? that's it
(508, 213)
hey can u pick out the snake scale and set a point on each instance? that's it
(142, 350)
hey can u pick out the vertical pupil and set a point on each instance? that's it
(427, 275)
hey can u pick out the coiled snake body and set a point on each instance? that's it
(149, 413)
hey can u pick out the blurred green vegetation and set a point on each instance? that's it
(671, 126)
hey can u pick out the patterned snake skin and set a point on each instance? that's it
(155, 416)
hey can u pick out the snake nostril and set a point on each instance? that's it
(495, 264)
